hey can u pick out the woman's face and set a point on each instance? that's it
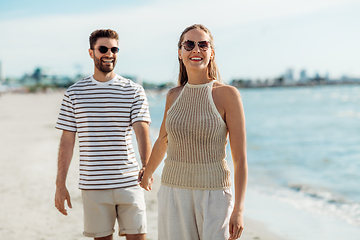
(199, 57)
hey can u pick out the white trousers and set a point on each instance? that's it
(186, 214)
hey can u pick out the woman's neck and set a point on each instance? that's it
(198, 77)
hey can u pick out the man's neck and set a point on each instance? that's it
(103, 77)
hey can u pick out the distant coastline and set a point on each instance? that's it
(42, 81)
(283, 82)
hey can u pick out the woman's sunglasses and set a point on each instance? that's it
(104, 49)
(190, 45)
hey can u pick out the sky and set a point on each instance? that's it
(254, 39)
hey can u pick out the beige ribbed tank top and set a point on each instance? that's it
(196, 142)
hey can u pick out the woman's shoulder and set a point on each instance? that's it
(172, 95)
(227, 97)
(174, 92)
(225, 91)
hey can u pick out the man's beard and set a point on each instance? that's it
(103, 68)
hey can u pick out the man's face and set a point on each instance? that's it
(104, 62)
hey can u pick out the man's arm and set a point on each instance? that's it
(66, 148)
(141, 130)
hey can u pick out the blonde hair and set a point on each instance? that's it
(213, 71)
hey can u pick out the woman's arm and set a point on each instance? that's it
(160, 145)
(235, 121)
(157, 155)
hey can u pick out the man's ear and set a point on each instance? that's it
(91, 53)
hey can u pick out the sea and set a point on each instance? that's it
(303, 150)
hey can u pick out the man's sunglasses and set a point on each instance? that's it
(190, 45)
(104, 49)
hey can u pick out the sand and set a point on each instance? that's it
(28, 154)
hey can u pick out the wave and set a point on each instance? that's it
(316, 193)
(320, 201)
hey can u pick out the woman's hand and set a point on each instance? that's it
(236, 225)
(147, 182)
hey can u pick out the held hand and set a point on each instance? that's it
(141, 174)
(236, 225)
(147, 182)
(61, 195)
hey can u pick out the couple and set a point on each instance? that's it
(195, 200)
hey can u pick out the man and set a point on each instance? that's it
(103, 109)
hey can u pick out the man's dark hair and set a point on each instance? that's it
(102, 33)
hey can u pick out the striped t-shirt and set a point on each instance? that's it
(102, 114)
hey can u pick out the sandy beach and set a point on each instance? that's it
(28, 146)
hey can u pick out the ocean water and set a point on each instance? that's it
(303, 146)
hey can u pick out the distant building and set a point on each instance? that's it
(303, 76)
(318, 79)
(289, 76)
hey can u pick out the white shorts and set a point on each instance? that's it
(103, 207)
(186, 214)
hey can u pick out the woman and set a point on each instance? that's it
(195, 200)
